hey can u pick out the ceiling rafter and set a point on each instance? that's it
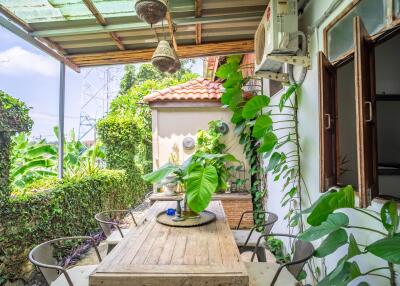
(198, 13)
(185, 51)
(103, 22)
(245, 16)
(22, 29)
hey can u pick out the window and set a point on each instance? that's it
(359, 107)
(340, 32)
(397, 8)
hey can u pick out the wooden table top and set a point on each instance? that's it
(158, 255)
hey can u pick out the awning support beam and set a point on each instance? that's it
(32, 40)
(61, 116)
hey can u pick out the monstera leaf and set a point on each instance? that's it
(333, 223)
(387, 249)
(262, 126)
(202, 182)
(255, 105)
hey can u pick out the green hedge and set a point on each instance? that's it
(126, 148)
(56, 209)
(14, 117)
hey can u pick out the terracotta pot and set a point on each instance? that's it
(151, 11)
(163, 57)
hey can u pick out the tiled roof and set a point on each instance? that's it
(195, 90)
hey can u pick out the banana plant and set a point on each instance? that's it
(331, 225)
(200, 175)
(31, 161)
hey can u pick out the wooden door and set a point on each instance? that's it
(328, 123)
(364, 61)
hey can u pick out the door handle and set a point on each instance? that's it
(328, 117)
(370, 114)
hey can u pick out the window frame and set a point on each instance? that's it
(392, 21)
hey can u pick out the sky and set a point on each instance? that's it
(33, 77)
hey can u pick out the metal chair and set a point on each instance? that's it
(110, 224)
(246, 239)
(264, 273)
(42, 257)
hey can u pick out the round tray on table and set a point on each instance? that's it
(204, 218)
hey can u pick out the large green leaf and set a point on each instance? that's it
(237, 116)
(334, 222)
(353, 249)
(285, 97)
(229, 94)
(262, 126)
(201, 184)
(255, 105)
(160, 174)
(274, 161)
(390, 217)
(227, 157)
(333, 241)
(41, 150)
(387, 249)
(327, 204)
(40, 163)
(347, 273)
(235, 79)
(268, 143)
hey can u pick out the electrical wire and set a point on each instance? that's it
(300, 52)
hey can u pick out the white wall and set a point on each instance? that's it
(172, 125)
(309, 138)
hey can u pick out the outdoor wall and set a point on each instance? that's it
(309, 138)
(172, 125)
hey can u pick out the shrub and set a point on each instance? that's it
(56, 209)
(14, 117)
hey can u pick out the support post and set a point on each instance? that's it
(61, 109)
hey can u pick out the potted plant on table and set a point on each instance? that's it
(200, 177)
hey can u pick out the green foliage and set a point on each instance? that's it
(327, 221)
(277, 249)
(50, 209)
(201, 184)
(209, 141)
(199, 175)
(14, 117)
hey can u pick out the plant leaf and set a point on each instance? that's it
(274, 161)
(255, 105)
(160, 174)
(285, 97)
(201, 184)
(334, 240)
(389, 216)
(237, 116)
(269, 142)
(387, 249)
(262, 125)
(334, 222)
(327, 204)
(347, 273)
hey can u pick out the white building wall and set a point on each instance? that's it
(309, 138)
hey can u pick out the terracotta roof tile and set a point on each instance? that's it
(195, 90)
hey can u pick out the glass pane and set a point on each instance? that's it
(397, 8)
(340, 36)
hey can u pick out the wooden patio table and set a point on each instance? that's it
(159, 255)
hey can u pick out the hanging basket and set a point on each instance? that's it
(163, 57)
(177, 64)
(151, 11)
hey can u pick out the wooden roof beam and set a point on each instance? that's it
(103, 22)
(187, 51)
(245, 16)
(198, 13)
(16, 30)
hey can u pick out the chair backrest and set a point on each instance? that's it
(302, 251)
(43, 254)
(102, 218)
(269, 223)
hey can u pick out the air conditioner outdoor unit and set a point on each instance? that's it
(273, 36)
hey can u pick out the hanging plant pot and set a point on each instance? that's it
(151, 11)
(177, 64)
(163, 57)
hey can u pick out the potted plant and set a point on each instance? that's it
(200, 176)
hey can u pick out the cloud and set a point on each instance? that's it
(19, 62)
